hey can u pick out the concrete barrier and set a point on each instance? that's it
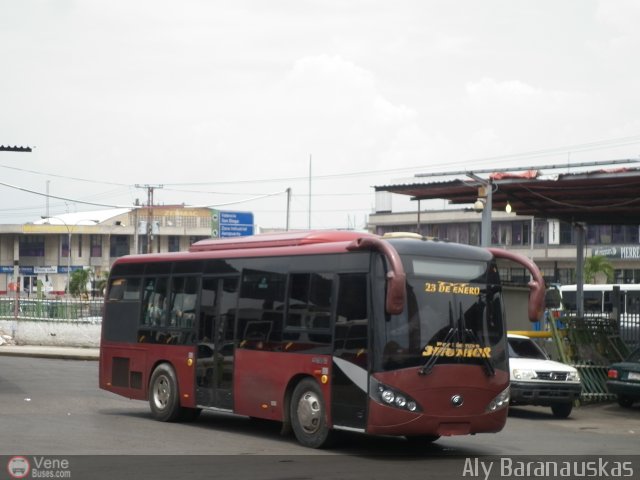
(56, 333)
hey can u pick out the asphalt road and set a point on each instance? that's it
(54, 408)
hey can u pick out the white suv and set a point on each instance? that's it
(536, 380)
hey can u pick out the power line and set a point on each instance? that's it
(617, 142)
(530, 154)
(65, 199)
(598, 144)
(65, 177)
(209, 192)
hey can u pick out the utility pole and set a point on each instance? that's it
(288, 207)
(150, 189)
(309, 225)
(16, 254)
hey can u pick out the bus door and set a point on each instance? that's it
(214, 364)
(350, 358)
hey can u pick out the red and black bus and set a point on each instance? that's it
(320, 330)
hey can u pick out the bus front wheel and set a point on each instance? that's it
(309, 415)
(164, 399)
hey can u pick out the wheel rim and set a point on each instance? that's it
(309, 412)
(162, 392)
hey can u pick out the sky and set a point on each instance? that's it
(230, 103)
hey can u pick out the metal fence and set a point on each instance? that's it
(591, 344)
(629, 329)
(51, 309)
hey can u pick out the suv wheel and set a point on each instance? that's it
(561, 410)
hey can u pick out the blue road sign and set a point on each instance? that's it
(231, 224)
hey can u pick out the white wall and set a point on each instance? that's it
(60, 333)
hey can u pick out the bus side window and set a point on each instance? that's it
(309, 301)
(593, 301)
(147, 300)
(183, 302)
(124, 289)
(117, 289)
(569, 301)
(633, 302)
(155, 302)
(308, 320)
(607, 306)
(260, 309)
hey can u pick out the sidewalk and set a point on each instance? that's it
(39, 351)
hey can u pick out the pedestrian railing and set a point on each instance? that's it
(51, 309)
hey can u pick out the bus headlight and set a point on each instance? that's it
(499, 402)
(392, 397)
(387, 396)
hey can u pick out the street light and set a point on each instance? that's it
(484, 205)
(69, 232)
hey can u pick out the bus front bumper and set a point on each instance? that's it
(385, 420)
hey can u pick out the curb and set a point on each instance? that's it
(62, 353)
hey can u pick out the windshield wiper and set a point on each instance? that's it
(467, 332)
(437, 353)
(488, 364)
(462, 334)
(453, 330)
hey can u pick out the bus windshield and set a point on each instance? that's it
(453, 317)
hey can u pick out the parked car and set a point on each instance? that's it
(537, 380)
(623, 379)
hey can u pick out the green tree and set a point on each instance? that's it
(78, 282)
(597, 264)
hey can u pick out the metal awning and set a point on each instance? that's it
(595, 197)
(606, 196)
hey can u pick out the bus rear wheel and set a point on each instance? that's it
(164, 399)
(309, 415)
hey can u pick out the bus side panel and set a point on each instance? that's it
(127, 369)
(434, 393)
(261, 379)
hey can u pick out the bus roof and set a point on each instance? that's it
(286, 239)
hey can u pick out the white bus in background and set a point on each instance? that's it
(599, 301)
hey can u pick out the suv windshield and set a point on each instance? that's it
(525, 348)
